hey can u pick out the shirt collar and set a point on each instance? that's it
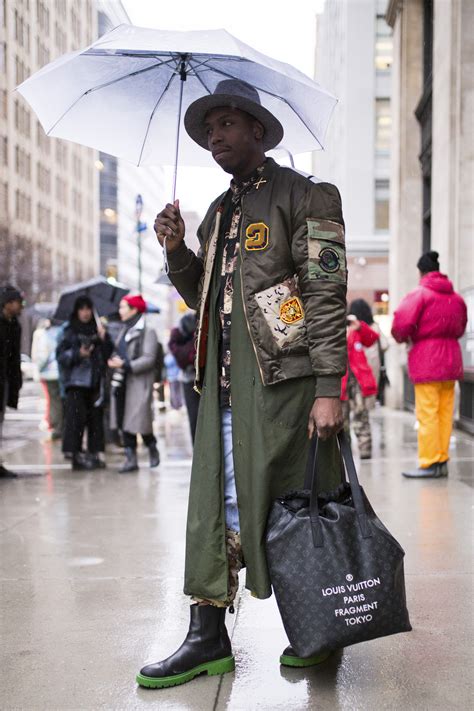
(239, 189)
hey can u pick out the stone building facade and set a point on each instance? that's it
(432, 173)
(354, 62)
(48, 187)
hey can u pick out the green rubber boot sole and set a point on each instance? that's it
(290, 661)
(221, 666)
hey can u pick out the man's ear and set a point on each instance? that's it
(258, 130)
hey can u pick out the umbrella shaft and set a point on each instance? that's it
(176, 156)
(175, 173)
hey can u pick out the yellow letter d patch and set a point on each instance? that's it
(256, 236)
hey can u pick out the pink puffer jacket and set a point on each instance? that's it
(432, 318)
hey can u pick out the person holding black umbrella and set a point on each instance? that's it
(82, 355)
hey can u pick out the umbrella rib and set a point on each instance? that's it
(198, 77)
(102, 86)
(152, 114)
(275, 96)
(205, 62)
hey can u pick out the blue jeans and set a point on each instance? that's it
(230, 492)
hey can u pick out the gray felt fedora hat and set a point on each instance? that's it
(238, 95)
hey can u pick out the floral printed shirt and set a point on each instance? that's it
(229, 264)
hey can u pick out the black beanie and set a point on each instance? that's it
(9, 293)
(428, 262)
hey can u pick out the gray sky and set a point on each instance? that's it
(287, 33)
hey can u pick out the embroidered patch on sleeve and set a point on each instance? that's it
(256, 236)
(326, 251)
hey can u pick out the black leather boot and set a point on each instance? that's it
(154, 455)
(130, 464)
(206, 650)
(81, 463)
(98, 463)
(6, 473)
(289, 658)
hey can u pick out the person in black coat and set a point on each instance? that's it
(11, 305)
(182, 346)
(82, 356)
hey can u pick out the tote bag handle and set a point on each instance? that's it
(346, 454)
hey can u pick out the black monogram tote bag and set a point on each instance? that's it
(336, 571)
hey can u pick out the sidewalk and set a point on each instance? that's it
(91, 577)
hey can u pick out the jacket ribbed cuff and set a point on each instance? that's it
(179, 259)
(328, 386)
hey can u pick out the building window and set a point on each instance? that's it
(3, 150)
(4, 200)
(383, 126)
(42, 140)
(382, 205)
(3, 57)
(383, 46)
(42, 15)
(61, 154)
(42, 53)
(4, 104)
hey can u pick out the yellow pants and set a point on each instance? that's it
(434, 404)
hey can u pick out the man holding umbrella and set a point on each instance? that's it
(269, 286)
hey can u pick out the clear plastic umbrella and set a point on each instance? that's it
(126, 94)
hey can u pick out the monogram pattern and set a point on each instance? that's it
(327, 596)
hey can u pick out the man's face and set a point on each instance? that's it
(235, 140)
(13, 308)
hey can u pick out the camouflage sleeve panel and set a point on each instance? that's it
(326, 251)
(320, 260)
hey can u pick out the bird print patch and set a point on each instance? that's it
(283, 312)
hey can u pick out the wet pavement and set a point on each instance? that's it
(91, 577)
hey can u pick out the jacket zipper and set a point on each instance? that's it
(243, 295)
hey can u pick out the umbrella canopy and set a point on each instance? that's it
(105, 296)
(126, 93)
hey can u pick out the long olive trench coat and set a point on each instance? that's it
(270, 452)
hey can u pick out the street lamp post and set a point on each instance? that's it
(140, 227)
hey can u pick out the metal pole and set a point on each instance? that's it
(138, 214)
(139, 238)
(182, 76)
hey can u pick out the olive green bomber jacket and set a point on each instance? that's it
(294, 277)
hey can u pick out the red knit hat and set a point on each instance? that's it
(136, 301)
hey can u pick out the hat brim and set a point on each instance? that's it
(196, 113)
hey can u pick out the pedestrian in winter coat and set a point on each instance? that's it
(269, 285)
(133, 364)
(431, 319)
(11, 305)
(359, 384)
(82, 356)
(182, 346)
(43, 354)
(376, 352)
